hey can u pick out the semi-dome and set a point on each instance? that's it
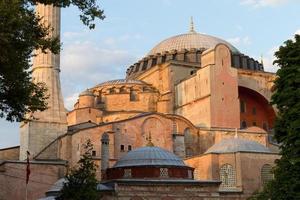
(237, 145)
(191, 40)
(86, 93)
(149, 156)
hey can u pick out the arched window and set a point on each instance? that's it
(122, 89)
(243, 106)
(188, 142)
(227, 176)
(133, 95)
(243, 125)
(265, 126)
(112, 90)
(266, 174)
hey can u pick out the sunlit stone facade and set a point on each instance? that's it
(190, 92)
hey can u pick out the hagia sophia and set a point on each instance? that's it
(190, 120)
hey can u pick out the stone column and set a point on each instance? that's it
(36, 134)
(104, 154)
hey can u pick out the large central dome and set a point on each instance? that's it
(191, 40)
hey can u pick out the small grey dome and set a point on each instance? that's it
(149, 156)
(192, 40)
(237, 145)
(86, 93)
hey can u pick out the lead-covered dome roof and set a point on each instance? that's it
(237, 145)
(188, 41)
(149, 156)
(121, 81)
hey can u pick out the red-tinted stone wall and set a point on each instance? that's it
(257, 109)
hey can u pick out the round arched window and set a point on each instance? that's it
(266, 173)
(227, 176)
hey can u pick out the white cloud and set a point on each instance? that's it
(70, 100)
(113, 41)
(238, 41)
(263, 3)
(86, 64)
(268, 60)
(297, 32)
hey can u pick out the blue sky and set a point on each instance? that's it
(133, 27)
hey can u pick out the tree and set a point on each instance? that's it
(81, 182)
(20, 34)
(286, 183)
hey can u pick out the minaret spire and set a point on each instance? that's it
(261, 60)
(192, 30)
(50, 123)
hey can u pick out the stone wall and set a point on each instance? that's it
(11, 153)
(247, 168)
(164, 190)
(43, 176)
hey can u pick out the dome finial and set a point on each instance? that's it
(149, 144)
(192, 30)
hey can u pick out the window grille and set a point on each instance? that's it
(227, 176)
(127, 173)
(164, 172)
(196, 174)
(266, 174)
(190, 175)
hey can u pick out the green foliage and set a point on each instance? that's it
(89, 9)
(20, 34)
(286, 183)
(81, 182)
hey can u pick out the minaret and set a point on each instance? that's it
(104, 155)
(51, 123)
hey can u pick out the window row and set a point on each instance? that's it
(243, 108)
(228, 175)
(122, 148)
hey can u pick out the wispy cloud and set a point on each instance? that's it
(85, 64)
(263, 3)
(238, 41)
(297, 32)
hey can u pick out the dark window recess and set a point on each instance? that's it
(154, 61)
(137, 67)
(93, 153)
(145, 65)
(129, 147)
(243, 106)
(133, 95)
(243, 125)
(254, 123)
(122, 147)
(265, 126)
(254, 111)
